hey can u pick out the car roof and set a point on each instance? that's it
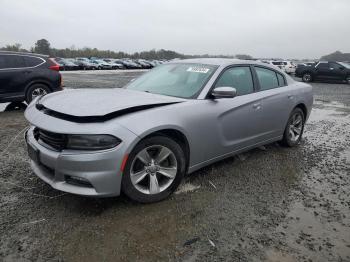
(217, 61)
(22, 53)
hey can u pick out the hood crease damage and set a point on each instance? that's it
(98, 118)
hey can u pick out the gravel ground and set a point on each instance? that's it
(271, 203)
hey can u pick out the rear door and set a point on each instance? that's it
(277, 102)
(12, 74)
(337, 71)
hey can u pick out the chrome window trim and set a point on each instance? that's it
(321, 62)
(18, 68)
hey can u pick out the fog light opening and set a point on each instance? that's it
(77, 181)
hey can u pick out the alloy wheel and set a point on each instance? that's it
(295, 127)
(307, 78)
(38, 92)
(153, 169)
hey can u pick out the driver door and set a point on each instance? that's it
(238, 119)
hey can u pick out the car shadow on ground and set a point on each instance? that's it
(322, 81)
(13, 106)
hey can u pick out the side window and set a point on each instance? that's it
(281, 81)
(239, 78)
(2, 62)
(334, 65)
(32, 61)
(322, 65)
(13, 61)
(267, 78)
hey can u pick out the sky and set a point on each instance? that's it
(260, 28)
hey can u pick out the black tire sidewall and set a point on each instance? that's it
(127, 186)
(30, 90)
(307, 81)
(286, 140)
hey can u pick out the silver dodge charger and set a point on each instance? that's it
(173, 120)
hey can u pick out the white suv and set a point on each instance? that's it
(289, 67)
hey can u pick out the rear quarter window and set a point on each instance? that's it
(31, 61)
(281, 80)
(267, 78)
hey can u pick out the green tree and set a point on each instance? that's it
(42, 46)
(244, 57)
(16, 47)
(336, 56)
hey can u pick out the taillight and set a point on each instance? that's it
(61, 81)
(55, 66)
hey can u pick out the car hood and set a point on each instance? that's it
(100, 104)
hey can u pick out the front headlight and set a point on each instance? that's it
(91, 142)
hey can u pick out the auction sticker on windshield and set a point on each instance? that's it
(202, 70)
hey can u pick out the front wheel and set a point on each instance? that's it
(294, 129)
(154, 170)
(307, 77)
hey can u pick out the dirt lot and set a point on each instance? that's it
(271, 203)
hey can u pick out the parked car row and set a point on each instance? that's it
(95, 63)
(287, 66)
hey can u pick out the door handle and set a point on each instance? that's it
(290, 96)
(257, 106)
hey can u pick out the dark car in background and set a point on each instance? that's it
(144, 63)
(129, 64)
(24, 76)
(66, 64)
(324, 70)
(85, 65)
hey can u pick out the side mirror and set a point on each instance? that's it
(342, 68)
(224, 92)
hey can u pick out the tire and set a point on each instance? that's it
(294, 131)
(307, 77)
(150, 177)
(348, 80)
(36, 90)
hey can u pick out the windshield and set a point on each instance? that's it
(179, 80)
(346, 65)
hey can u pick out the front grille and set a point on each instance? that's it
(49, 139)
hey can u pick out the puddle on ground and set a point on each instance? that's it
(186, 187)
(318, 223)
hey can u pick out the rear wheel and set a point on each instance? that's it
(348, 80)
(154, 170)
(35, 91)
(307, 77)
(294, 129)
